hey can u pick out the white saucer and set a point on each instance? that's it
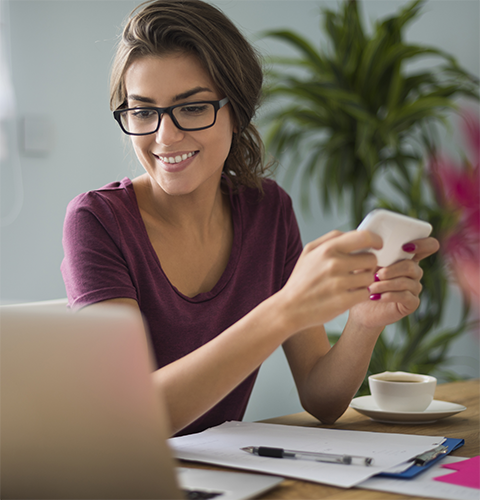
(437, 410)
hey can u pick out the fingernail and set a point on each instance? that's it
(377, 278)
(409, 247)
(375, 296)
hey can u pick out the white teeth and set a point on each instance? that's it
(176, 159)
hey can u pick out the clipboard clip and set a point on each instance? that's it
(430, 455)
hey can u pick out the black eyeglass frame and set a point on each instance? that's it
(169, 111)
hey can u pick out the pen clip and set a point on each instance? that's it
(430, 455)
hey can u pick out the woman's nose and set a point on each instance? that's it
(168, 132)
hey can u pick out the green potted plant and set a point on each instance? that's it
(358, 124)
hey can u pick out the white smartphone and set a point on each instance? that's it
(395, 230)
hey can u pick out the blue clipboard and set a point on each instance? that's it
(414, 470)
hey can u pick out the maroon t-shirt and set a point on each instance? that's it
(108, 255)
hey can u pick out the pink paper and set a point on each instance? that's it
(468, 473)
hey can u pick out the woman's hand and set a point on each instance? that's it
(396, 290)
(329, 279)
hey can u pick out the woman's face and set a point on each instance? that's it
(179, 162)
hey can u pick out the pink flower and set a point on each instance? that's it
(457, 189)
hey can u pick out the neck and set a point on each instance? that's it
(194, 212)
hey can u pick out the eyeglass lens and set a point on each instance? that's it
(189, 116)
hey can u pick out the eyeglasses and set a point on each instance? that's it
(189, 116)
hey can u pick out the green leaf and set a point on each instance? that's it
(300, 43)
(410, 114)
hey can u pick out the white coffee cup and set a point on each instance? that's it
(402, 391)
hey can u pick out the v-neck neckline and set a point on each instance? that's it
(234, 253)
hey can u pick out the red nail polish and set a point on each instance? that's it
(375, 296)
(377, 278)
(409, 247)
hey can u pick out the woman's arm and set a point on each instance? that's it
(196, 382)
(327, 281)
(328, 378)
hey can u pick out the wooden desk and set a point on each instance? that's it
(465, 425)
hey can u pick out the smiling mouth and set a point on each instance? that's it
(176, 159)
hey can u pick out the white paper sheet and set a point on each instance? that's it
(423, 485)
(221, 446)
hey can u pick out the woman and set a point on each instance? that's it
(206, 248)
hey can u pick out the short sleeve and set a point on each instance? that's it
(94, 268)
(294, 241)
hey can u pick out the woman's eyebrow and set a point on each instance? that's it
(139, 98)
(178, 97)
(189, 93)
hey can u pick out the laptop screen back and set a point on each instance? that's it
(79, 416)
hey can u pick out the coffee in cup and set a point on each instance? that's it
(402, 391)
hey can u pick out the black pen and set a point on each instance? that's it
(265, 451)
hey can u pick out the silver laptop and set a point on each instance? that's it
(80, 418)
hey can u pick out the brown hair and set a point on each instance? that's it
(163, 27)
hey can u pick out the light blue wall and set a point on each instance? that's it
(60, 53)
